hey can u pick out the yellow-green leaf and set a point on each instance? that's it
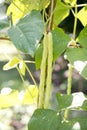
(11, 64)
(22, 67)
(82, 16)
(9, 100)
(31, 95)
(61, 12)
(19, 8)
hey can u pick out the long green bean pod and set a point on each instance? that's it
(49, 69)
(43, 73)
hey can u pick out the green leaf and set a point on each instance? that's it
(78, 58)
(11, 64)
(27, 33)
(44, 119)
(82, 15)
(64, 100)
(38, 56)
(76, 54)
(61, 12)
(82, 38)
(75, 124)
(60, 42)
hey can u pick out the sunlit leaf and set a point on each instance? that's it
(11, 64)
(44, 119)
(28, 32)
(82, 15)
(31, 95)
(61, 12)
(22, 67)
(19, 8)
(9, 100)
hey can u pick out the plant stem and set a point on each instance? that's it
(68, 89)
(22, 78)
(69, 80)
(81, 5)
(51, 12)
(75, 23)
(31, 75)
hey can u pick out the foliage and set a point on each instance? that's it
(34, 30)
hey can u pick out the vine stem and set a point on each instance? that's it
(31, 75)
(70, 66)
(69, 80)
(75, 23)
(68, 89)
(51, 12)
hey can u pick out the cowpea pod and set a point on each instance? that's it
(49, 69)
(43, 73)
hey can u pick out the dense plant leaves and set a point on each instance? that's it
(60, 42)
(78, 58)
(19, 8)
(82, 15)
(26, 34)
(44, 119)
(61, 12)
(82, 38)
(64, 100)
